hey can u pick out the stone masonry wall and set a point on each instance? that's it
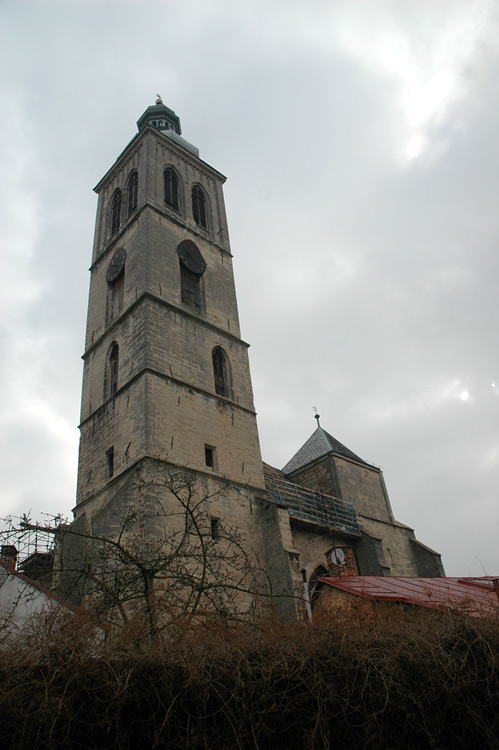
(363, 486)
(317, 476)
(237, 507)
(165, 405)
(360, 485)
(118, 424)
(181, 421)
(315, 550)
(395, 540)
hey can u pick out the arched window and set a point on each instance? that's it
(132, 188)
(314, 585)
(199, 206)
(113, 366)
(221, 372)
(115, 211)
(171, 189)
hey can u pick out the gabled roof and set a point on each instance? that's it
(310, 506)
(475, 596)
(319, 444)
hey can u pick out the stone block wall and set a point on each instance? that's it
(318, 476)
(181, 421)
(315, 547)
(397, 558)
(166, 405)
(282, 563)
(363, 486)
(246, 519)
(119, 425)
(355, 483)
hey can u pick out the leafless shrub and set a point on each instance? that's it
(400, 678)
(159, 563)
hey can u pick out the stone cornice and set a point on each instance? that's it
(158, 300)
(259, 491)
(168, 143)
(165, 214)
(171, 379)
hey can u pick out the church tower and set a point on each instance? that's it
(166, 378)
(167, 393)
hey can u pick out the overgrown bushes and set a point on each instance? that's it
(397, 679)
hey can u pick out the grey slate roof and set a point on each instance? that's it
(319, 444)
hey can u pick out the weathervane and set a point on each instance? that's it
(159, 100)
(317, 416)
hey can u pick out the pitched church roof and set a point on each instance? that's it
(319, 444)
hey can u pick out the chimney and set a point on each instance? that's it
(9, 556)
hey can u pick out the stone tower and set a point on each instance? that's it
(166, 378)
(167, 392)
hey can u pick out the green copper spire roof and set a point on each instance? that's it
(160, 116)
(165, 120)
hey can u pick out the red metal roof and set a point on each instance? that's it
(477, 596)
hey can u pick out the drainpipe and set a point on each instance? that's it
(306, 593)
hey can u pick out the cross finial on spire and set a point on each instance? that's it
(317, 416)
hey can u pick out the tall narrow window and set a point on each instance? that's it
(110, 461)
(199, 206)
(117, 289)
(189, 283)
(115, 211)
(192, 267)
(113, 368)
(221, 372)
(132, 188)
(115, 277)
(171, 189)
(215, 528)
(210, 457)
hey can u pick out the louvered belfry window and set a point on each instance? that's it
(171, 189)
(115, 211)
(113, 369)
(192, 267)
(199, 206)
(220, 372)
(133, 186)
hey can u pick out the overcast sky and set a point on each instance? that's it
(360, 141)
